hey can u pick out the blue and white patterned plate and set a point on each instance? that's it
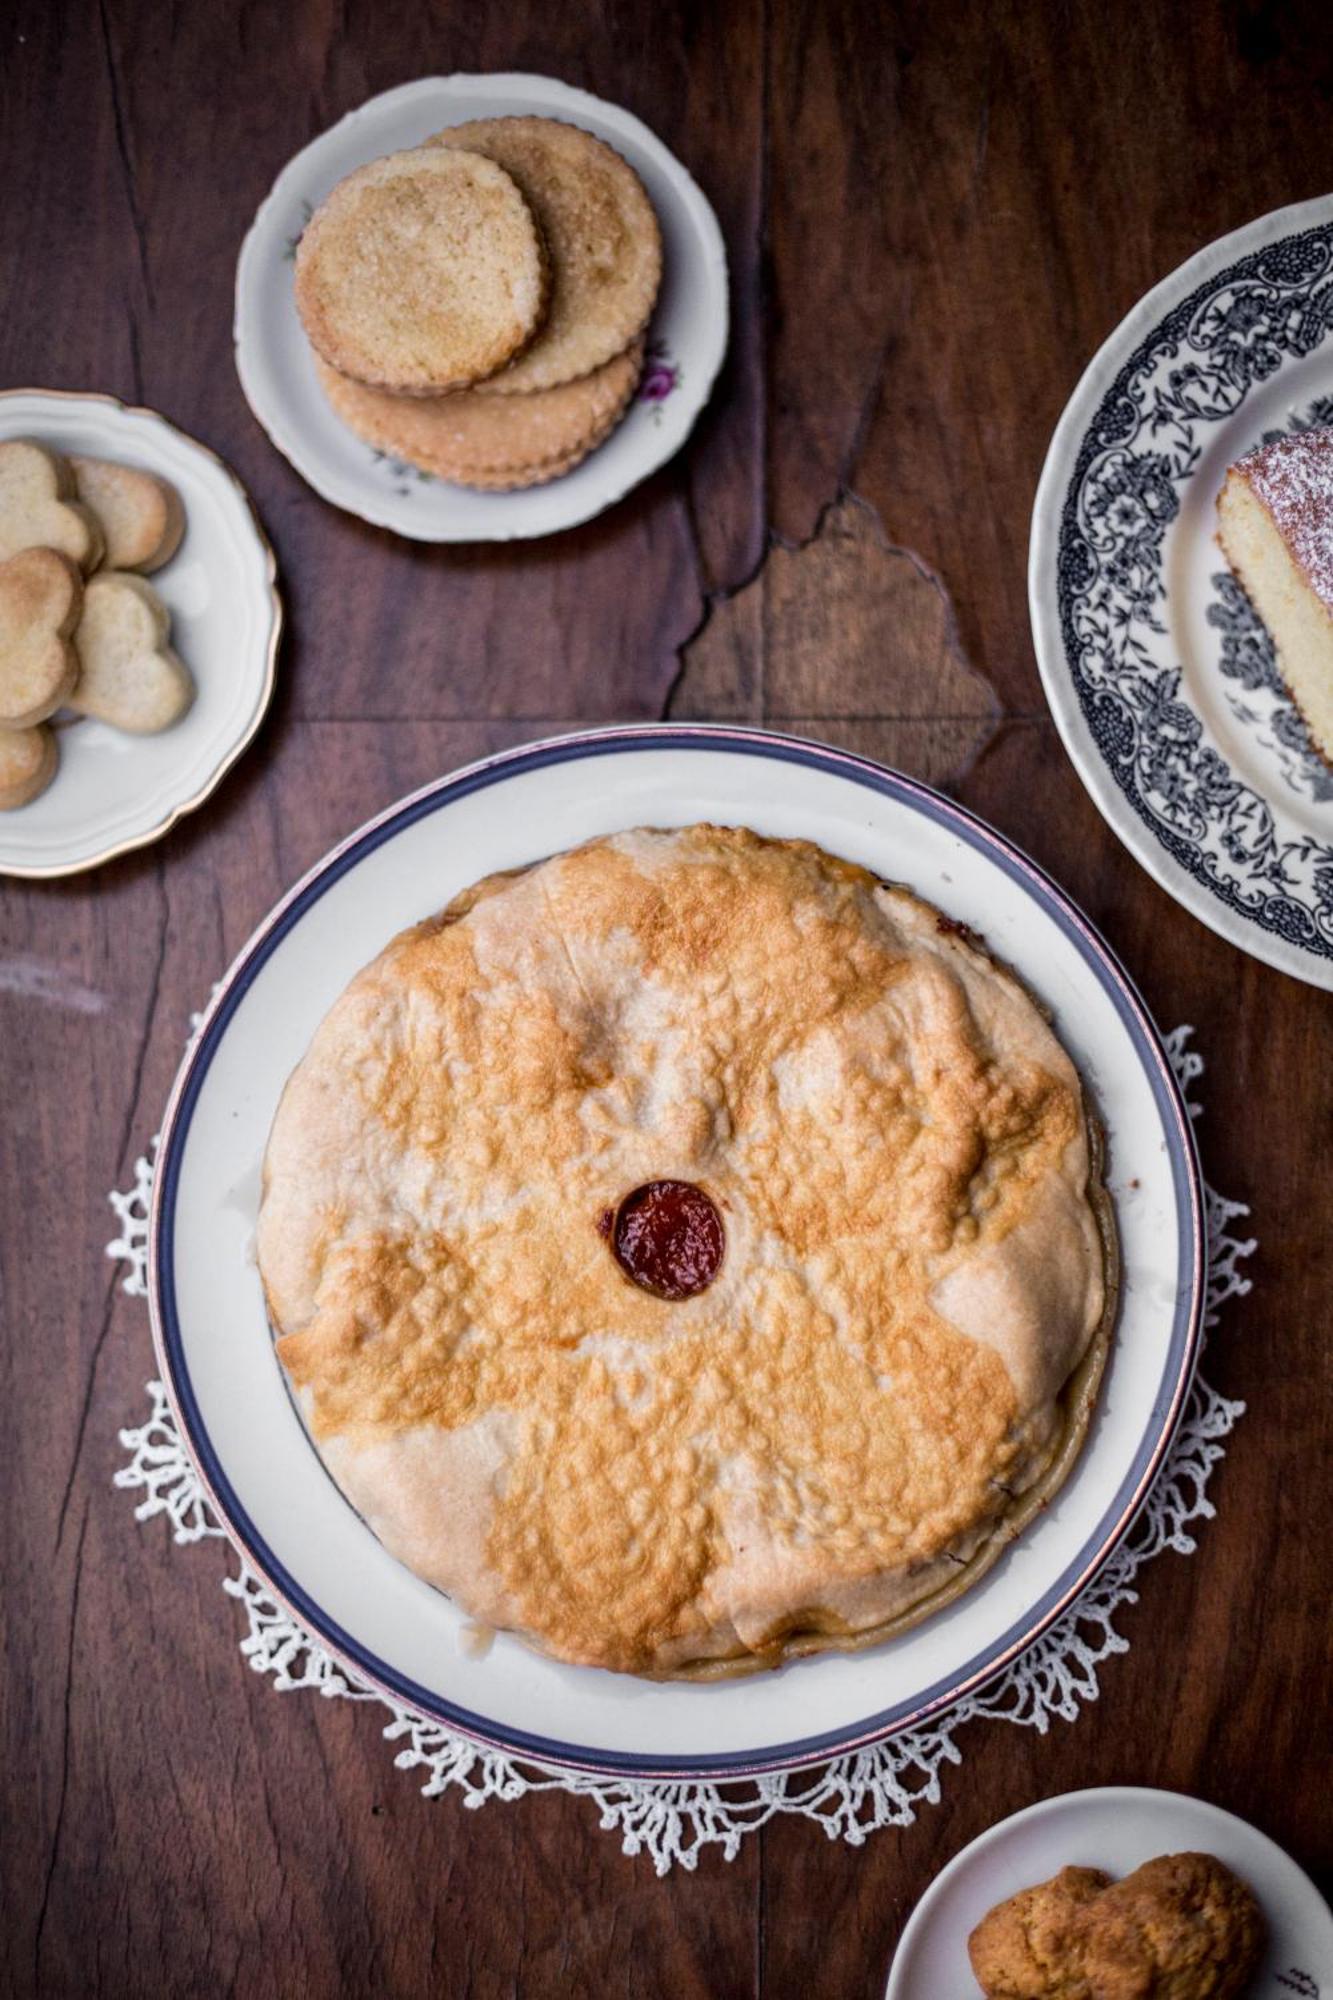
(1160, 677)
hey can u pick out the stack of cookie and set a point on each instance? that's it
(477, 305)
(79, 628)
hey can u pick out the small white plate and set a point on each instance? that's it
(114, 791)
(1161, 679)
(687, 336)
(216, 1351)
(1116, 1828)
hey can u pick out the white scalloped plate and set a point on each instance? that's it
(687, 335)
(266, 1483)
(114, 792)
(1159, 675)
(1116, 1828)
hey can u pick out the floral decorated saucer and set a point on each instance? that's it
(687, 336)
(1161, 679)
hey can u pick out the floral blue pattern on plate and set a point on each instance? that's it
(1160, 676)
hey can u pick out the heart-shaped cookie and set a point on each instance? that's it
(28, 760)
(141, 516)
(1182, 1925)
(40, 596)
(128, 674)
(39, 508)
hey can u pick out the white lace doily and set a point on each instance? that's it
(674, 1821)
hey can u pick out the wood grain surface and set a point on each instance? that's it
(934, 213)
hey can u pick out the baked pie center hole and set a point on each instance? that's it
(667, 1237)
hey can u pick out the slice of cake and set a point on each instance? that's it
(1275, 524)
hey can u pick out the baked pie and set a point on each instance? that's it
(689, 1252)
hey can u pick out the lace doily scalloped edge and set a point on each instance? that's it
(674, 1822)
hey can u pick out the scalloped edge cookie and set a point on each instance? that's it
(495, 443)
(418, 277)
(602, 235)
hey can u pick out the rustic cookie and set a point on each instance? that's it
(518, 478)
(39, 508)
(476, 439)
(128, 674)
(1182, 1926)
(40, 595)
(603, 237)
(28, 762)
(422, 272)
(140, 515)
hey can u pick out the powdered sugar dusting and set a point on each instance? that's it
(1293, 478)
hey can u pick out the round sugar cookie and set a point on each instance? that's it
(421, 272)
(476, 439)
(601, 233)
(520, 477)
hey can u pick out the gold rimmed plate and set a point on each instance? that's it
(114, 792)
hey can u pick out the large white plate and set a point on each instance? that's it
(215, 1346)
(1116, 1829)
(687, 337)
(113, 791)
(1160, 677)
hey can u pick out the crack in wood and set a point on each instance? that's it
(63, 1795)
(120, 129)
(845, 636)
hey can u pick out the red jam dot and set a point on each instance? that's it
(669, 1239)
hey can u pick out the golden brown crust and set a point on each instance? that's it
(850, 1413)
(602, 234)
(519, 478)
(475, 439)
(1181, 1927)
(419, 276)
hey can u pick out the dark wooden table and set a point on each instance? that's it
(934, 213)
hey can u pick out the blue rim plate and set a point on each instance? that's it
(1161, 679)
(214, 1346)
